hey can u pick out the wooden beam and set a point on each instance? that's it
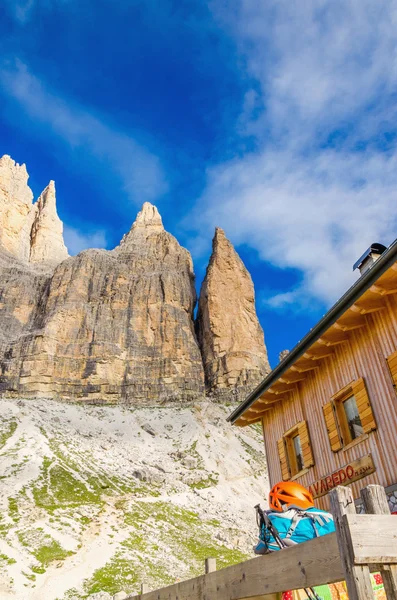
(365, 308)
(290, 569)
(280, 387)
(210, 565)
(261, 413)
(334, 340)
(248, 421)
(264, 400)
(317, 353)
(377, 289)
(348, 326)
(259, 410)
(302, 367)
(291, 378)
(357, 577)
(370, 538)
(375, 503)
(274, 392)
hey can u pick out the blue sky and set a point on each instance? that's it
(274, 120)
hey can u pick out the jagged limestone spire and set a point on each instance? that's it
(149, 217)
(47, 245)
(147, 223)
(15, 208)
(230, 336)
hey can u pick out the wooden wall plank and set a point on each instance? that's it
(364, 354)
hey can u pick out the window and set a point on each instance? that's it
(295, 451)
(352, 416)
(296, 441)
(349, 415)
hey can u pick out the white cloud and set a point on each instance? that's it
(306, 212)
(138, 170)
(76, 241)
(317, 61)
(321, 67)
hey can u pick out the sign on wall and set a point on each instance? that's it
(351, 472)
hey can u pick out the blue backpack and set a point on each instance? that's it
(294, 526)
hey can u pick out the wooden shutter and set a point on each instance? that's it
(364, 406)
(283, 460)
(308, 460)
(332, 427)
(392, 362)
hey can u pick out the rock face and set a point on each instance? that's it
(283, 354)
(230, 336)
(30, 232)
(111, 326)
(46, 237)
(16, 215)
(118, 326)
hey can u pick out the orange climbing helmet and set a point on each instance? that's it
(288, 494)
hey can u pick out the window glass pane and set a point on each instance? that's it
(298, 452)
(353, 417)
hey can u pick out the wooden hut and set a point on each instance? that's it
(329, 408)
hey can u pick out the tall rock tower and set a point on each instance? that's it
(16, 215)
(46, 237)
(29, 232)
(230, 336)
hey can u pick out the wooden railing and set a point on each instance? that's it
(361, 544)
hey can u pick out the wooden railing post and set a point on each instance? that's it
(375, 503)
(210, 565)
(144, 588)
(357, 577)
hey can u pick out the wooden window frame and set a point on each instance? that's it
(302, 430)
(337, 400)
(290, 451)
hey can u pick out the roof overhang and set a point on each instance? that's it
(364, 297)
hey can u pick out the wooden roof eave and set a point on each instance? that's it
(353, 317)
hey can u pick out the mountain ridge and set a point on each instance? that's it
(118, 325)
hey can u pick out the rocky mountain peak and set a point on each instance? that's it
(219, 235)
(147, 223)
(30, 232)
(47, 245)
(15, 208)
(7, 163)
(230, 336)
(149, 218)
